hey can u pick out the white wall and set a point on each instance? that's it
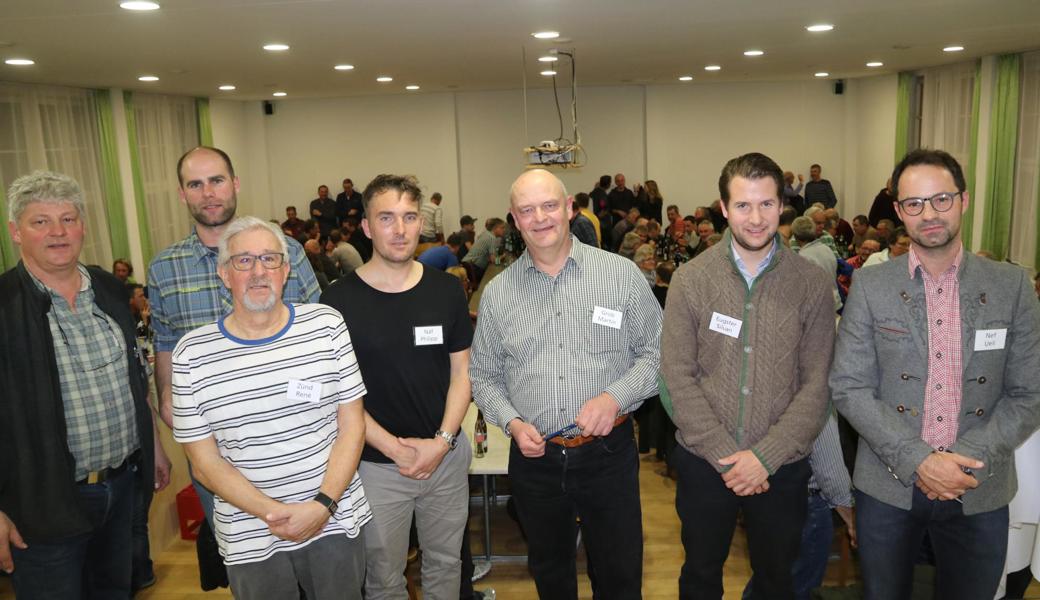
(468, 145)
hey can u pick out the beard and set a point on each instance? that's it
(266, 303)
(221, 219)
(743, 243)
(938, 239)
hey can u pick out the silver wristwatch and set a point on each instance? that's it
(449, 438)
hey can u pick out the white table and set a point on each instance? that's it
(494, 462)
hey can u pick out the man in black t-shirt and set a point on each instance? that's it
(620, 200)
(411, 332)
(349, 203)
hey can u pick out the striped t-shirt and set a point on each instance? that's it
(251, 396)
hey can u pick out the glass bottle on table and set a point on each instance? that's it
(480, 436)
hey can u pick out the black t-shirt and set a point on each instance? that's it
(407, 383)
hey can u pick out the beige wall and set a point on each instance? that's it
(468, 145)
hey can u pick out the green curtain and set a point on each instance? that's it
(968, 222)
(205, 127)
(1003, 140)
(8, 255)
(111, 186)
(903, 93)
(135, 167)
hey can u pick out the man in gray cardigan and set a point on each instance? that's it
(745, 350)
(936, 366)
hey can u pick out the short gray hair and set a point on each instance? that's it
(248, 223)
(43, 186)
(803, 229)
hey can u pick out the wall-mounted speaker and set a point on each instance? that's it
(839, 87)
(269, 107)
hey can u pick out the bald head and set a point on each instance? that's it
(536, 179)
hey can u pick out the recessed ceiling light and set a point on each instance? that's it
(822, 74)
(148, 78)
(276, 47)
(953, 48)
(712, 68)
(753, 53)
(344, 67)
(226, 88)
(139, 5)
(686, 78)
(546, 35)
(411, 88)
(548, 59)
(875, 63)
(279, 94)
(819, 27)
(19, 62)
(548, 73)
(384, 79)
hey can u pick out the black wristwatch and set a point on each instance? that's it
(327, 502)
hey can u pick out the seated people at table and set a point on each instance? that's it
(345, 255)
(411, 330)
(292, 226)
(486, 247)
(442, 256)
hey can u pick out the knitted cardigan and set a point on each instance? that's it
(765, 389)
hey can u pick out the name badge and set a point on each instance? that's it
(990, 339)
(429, 335)
(725, 325)
(307, 391)
(607, 317)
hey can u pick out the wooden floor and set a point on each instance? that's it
(177, 572)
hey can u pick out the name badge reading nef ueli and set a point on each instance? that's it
(429, 335)
(990, 339)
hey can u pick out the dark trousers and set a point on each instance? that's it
(91, 566)
(598, 483)
(969, 550)
(817, 534)
(708, 511)
(142, 571)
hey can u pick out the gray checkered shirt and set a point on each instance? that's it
(95, 380)
(539, 355)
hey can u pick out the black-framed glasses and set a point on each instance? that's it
(245, 262)
(941, 202)
(99, 358)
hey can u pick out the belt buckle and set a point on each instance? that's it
(93, 477)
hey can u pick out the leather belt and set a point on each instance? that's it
(581, 440)
(105, 474)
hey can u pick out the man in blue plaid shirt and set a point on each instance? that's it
(183, 287)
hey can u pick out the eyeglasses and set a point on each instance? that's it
(99, 358)
(940, 202)
(245, 262)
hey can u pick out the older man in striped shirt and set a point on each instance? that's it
(267, 403)
(567, 345)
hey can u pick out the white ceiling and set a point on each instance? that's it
(196, 45)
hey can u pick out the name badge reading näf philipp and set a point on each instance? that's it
(429, 335)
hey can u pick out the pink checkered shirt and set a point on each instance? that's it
(942, 398)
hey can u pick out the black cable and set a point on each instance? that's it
(559, 114)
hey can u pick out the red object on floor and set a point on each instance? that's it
(189, 513)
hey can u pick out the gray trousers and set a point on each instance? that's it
(441, 507)
(329, 568)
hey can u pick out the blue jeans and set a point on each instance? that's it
(969, 550)
(94, 565)
(205, 498)
(598, 483)
(808, 571)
